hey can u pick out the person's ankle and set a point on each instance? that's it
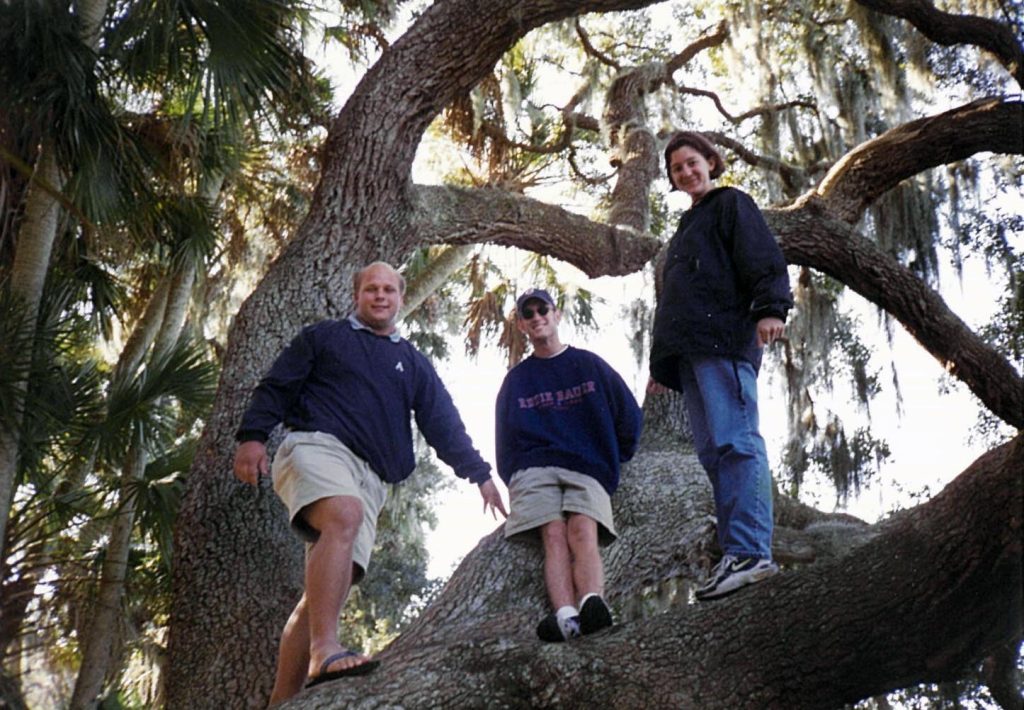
(568, 621)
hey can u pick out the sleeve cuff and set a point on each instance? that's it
(244, 435)
(480, 476)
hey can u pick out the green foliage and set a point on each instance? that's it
(145, 129)
(53, 95)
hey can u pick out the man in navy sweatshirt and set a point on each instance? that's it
(565, 420)
(344, 389)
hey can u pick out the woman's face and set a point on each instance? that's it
(690, 172)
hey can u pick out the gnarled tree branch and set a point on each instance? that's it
(809, 237)
(948, 29)
(876, 166)
(454, 215)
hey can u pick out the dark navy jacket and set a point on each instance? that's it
(572, 411)
(344, 380)
(723, 273)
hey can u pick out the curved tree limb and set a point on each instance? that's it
(454, 215)
(948, 29)
(590, 50)
(809, 237)
(390, 117)
(715, 39)
(876, 166)
(750, 113)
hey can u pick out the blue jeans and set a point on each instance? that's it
(721, 402)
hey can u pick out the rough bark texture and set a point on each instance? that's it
(459, 216)
(896, 610)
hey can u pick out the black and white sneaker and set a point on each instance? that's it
(551, 631)
(594, 615)
(734, 573)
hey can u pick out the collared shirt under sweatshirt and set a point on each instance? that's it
(572, 411)
(339, 377)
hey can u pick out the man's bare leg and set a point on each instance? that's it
(329, 577)
(292, 655)
(557, 565)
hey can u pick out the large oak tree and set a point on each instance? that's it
(923, 596)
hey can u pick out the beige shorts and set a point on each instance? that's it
(310, 465)
(543, 494)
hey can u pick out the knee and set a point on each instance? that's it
(582, 532)
(553, 533)
(340, 516)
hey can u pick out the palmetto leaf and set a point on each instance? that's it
(52, 92)
(235, 53)
(158, 496)
(149, 408)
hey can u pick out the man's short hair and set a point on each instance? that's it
(357, 278)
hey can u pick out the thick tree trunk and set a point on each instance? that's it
(237, 569)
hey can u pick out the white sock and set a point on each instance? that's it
(566, 612)
(567, 621)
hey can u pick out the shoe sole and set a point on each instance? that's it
(741, 581)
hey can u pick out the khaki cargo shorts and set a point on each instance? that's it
(310, 465)
(543, 494)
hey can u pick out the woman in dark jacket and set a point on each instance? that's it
(725, 295)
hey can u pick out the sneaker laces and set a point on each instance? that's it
(723, 564)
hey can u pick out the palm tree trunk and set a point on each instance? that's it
(160, 327)
(437, 272)
(28, 274)
(101, 633)
(178, 300)
(32, 260)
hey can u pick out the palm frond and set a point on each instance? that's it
(230, 59)
(150, 407)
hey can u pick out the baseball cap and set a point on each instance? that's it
(529, 293)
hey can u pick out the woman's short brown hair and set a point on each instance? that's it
(699, 143)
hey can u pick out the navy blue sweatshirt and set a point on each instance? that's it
(361, 387)
(572, 411)
(723, 273)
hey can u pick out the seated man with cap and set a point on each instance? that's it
(565, 420)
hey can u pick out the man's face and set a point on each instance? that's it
(378, 299)
(542, 322)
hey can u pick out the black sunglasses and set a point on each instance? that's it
(527, 312)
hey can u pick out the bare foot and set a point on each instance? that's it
(339, 664)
